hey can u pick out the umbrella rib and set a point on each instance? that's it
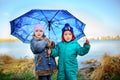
(62, 19)
(80, 28)
(55, 15)
(29, 34)
(44, 15)
(35, 18)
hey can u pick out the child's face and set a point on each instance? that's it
(39, 33)
(67, 36)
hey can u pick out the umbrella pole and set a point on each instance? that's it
(49, 34)
(49, 28)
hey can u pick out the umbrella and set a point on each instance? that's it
(53, 21)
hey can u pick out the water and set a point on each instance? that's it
(98, 48)
(16, 49)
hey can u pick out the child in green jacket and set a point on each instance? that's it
(67, 51)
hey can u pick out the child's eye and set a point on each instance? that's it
(36, 30)
(65, 34)
(41, 31)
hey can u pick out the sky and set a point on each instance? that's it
(102, 17)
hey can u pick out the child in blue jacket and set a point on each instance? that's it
(67, 51)
(39, 45)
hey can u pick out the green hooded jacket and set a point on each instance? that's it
(67, 62)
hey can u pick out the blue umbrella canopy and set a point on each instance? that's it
(53, 21)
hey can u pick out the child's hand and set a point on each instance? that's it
(49, 51)
(51, 44)
(87, 42)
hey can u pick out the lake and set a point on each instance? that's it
(98, 48)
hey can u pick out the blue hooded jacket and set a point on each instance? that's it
(44, 65)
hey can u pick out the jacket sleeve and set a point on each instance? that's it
(82, 50)
(55, 51)
(38, 46)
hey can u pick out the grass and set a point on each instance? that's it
(22, 69)
(18, 69)
(14, 76)
(25, 76)
(109, 68)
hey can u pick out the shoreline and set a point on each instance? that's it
(9, 40)
(17, 40)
